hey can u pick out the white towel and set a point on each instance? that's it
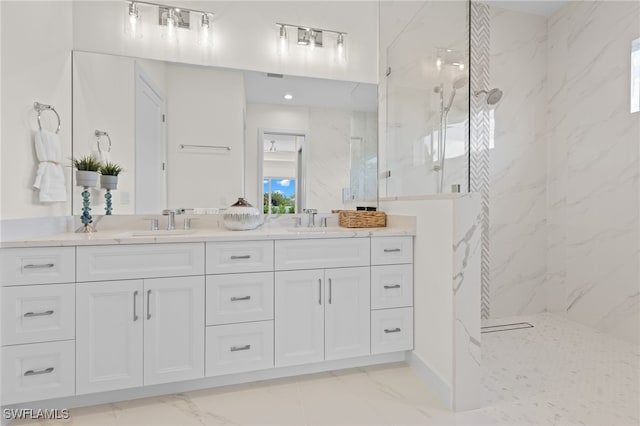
(50, 176)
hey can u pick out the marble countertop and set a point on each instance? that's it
(110, 237)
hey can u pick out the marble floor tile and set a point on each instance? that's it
(557, 373)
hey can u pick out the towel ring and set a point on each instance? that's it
(42, 107)
(99, 134)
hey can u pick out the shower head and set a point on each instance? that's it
(492, 97)
(459, 82)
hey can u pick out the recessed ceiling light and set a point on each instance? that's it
(288, 96)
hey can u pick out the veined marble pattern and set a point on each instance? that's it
(558, 373)
(467, 253)
(518, 156)
(594, 160)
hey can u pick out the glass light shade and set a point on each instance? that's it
(341, 50)
(282, 41)
(132, 21)
(170, 31)
(205, 32)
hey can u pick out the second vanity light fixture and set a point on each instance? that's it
(311, 38)
(171, 18)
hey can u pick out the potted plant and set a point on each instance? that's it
(86, 170)
(109, 175)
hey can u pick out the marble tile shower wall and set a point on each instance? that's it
(593, 167)
(517, 163)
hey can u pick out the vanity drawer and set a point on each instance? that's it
(391, 286)
(322, 253)
(391, 250)
(38, 313)
(244, 256)
(48, 265)
(38, 371)
(235, 348)
(118, 262)
(235, 298)
(391, 330)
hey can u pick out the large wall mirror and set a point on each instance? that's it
(198, 137)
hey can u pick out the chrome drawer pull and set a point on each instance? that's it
(395, 250)
(330, 291)
(148, 304)
(36, 372)
(392, 330)
(135, 306)
(39, 266)
(246, 256)
(387, 287)
(319, 291)
(240, 348)
(38, 314)
(235, 299)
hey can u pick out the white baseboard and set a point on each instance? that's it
(208, 382)
(436, 383)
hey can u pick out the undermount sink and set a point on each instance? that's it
(304, 230)
(158, 233)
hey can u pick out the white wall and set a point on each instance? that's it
(36, 66)
(518, 61)
(244, 35)
(593, 167)
(99, 107)
(215, 100)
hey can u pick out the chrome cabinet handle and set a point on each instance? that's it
(37, 372)
(330, 290)
(39, 266)
(392, 250)
(240, 348)
(135, 306)
(38, 314)
(392, 330)
(235, 299)
(246, 256)
(387, 287)
(148, 304)
(319, 291)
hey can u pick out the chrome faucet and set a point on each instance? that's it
(311, 218)
(171, 220)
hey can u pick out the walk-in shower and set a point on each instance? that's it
(458, 84)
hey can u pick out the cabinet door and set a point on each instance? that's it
(109, 332)
(299, 317)
(347, 313)
(174, 329)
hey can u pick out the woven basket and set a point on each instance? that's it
(361, 219)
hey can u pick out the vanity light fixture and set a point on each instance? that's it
(171, 18)
(313, 38)
(132, 21)
(283, 40)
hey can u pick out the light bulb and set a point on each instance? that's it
(341, 53)
(283, 41)
(169, 32)
(132, 21)
(205, 38)
(312, 40)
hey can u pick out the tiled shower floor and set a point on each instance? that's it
(557, 373)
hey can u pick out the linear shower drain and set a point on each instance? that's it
(505, 327)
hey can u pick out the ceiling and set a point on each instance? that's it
(536, 7)
(310, 92)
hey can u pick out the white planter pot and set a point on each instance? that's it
(109, 182)
(86, 178)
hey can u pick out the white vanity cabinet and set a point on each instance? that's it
(143, 326)
(321, 314)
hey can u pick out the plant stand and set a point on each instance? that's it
(86, 218)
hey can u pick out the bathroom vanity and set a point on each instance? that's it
(103, 318)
